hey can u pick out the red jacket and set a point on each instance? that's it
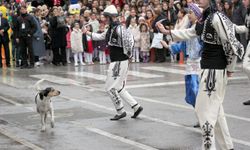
(68, 38)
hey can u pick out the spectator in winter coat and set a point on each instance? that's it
(133, 14)
(4, 40)
(88, 47)
(76, 44)
(238, 18)
(102, 46)
(144, 42)
(58, 35)
(68, 47)
(134, 29)
(38, 39)
(26, 27)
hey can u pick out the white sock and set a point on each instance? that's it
(75, 58)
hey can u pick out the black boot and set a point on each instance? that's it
(246, 102)
(197, 125)
(118, 117)
(25, 66)
(138, 111)
(31, 66)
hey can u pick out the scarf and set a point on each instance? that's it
(230, 44)
(127, 41)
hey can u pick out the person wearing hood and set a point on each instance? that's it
(220, 49)
(121, 43)
(26, 27)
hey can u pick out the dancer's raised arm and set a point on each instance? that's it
(95, 36)
(178, 35)
(241, 29)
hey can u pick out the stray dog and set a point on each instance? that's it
(44, 104)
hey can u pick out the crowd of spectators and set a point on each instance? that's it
(41, 29)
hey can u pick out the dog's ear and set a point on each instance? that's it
(46, 91)
(41, 94)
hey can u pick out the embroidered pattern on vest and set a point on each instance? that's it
(114, 39)
(209, 35)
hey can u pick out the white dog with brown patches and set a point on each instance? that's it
(44, 104)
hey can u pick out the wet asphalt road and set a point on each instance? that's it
(83, 110)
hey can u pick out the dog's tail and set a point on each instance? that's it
(37, 87)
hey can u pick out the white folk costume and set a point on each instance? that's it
(219, 56)
(121, 43)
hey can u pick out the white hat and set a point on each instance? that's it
(110, 11)
(141, 18)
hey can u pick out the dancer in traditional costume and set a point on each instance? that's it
(121, 43)
(218, 60)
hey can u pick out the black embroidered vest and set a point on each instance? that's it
(115, 44)
(112, 37)
(213, 55)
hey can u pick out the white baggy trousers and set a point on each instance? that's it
(210, 111)
(115, 85)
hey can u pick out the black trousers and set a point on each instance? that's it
(16, 52)
(160, 55)
(7, 52)
(26, 50)
(59, 55)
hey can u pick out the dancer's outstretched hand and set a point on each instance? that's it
(162, 28)
(164, 44)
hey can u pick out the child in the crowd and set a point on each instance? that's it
(144, 42)
(95, 26)
(76, 44)
(68, 47)
(101, 46)
(134, 29)
(47, 41)
(141, 20)
(88, 46)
